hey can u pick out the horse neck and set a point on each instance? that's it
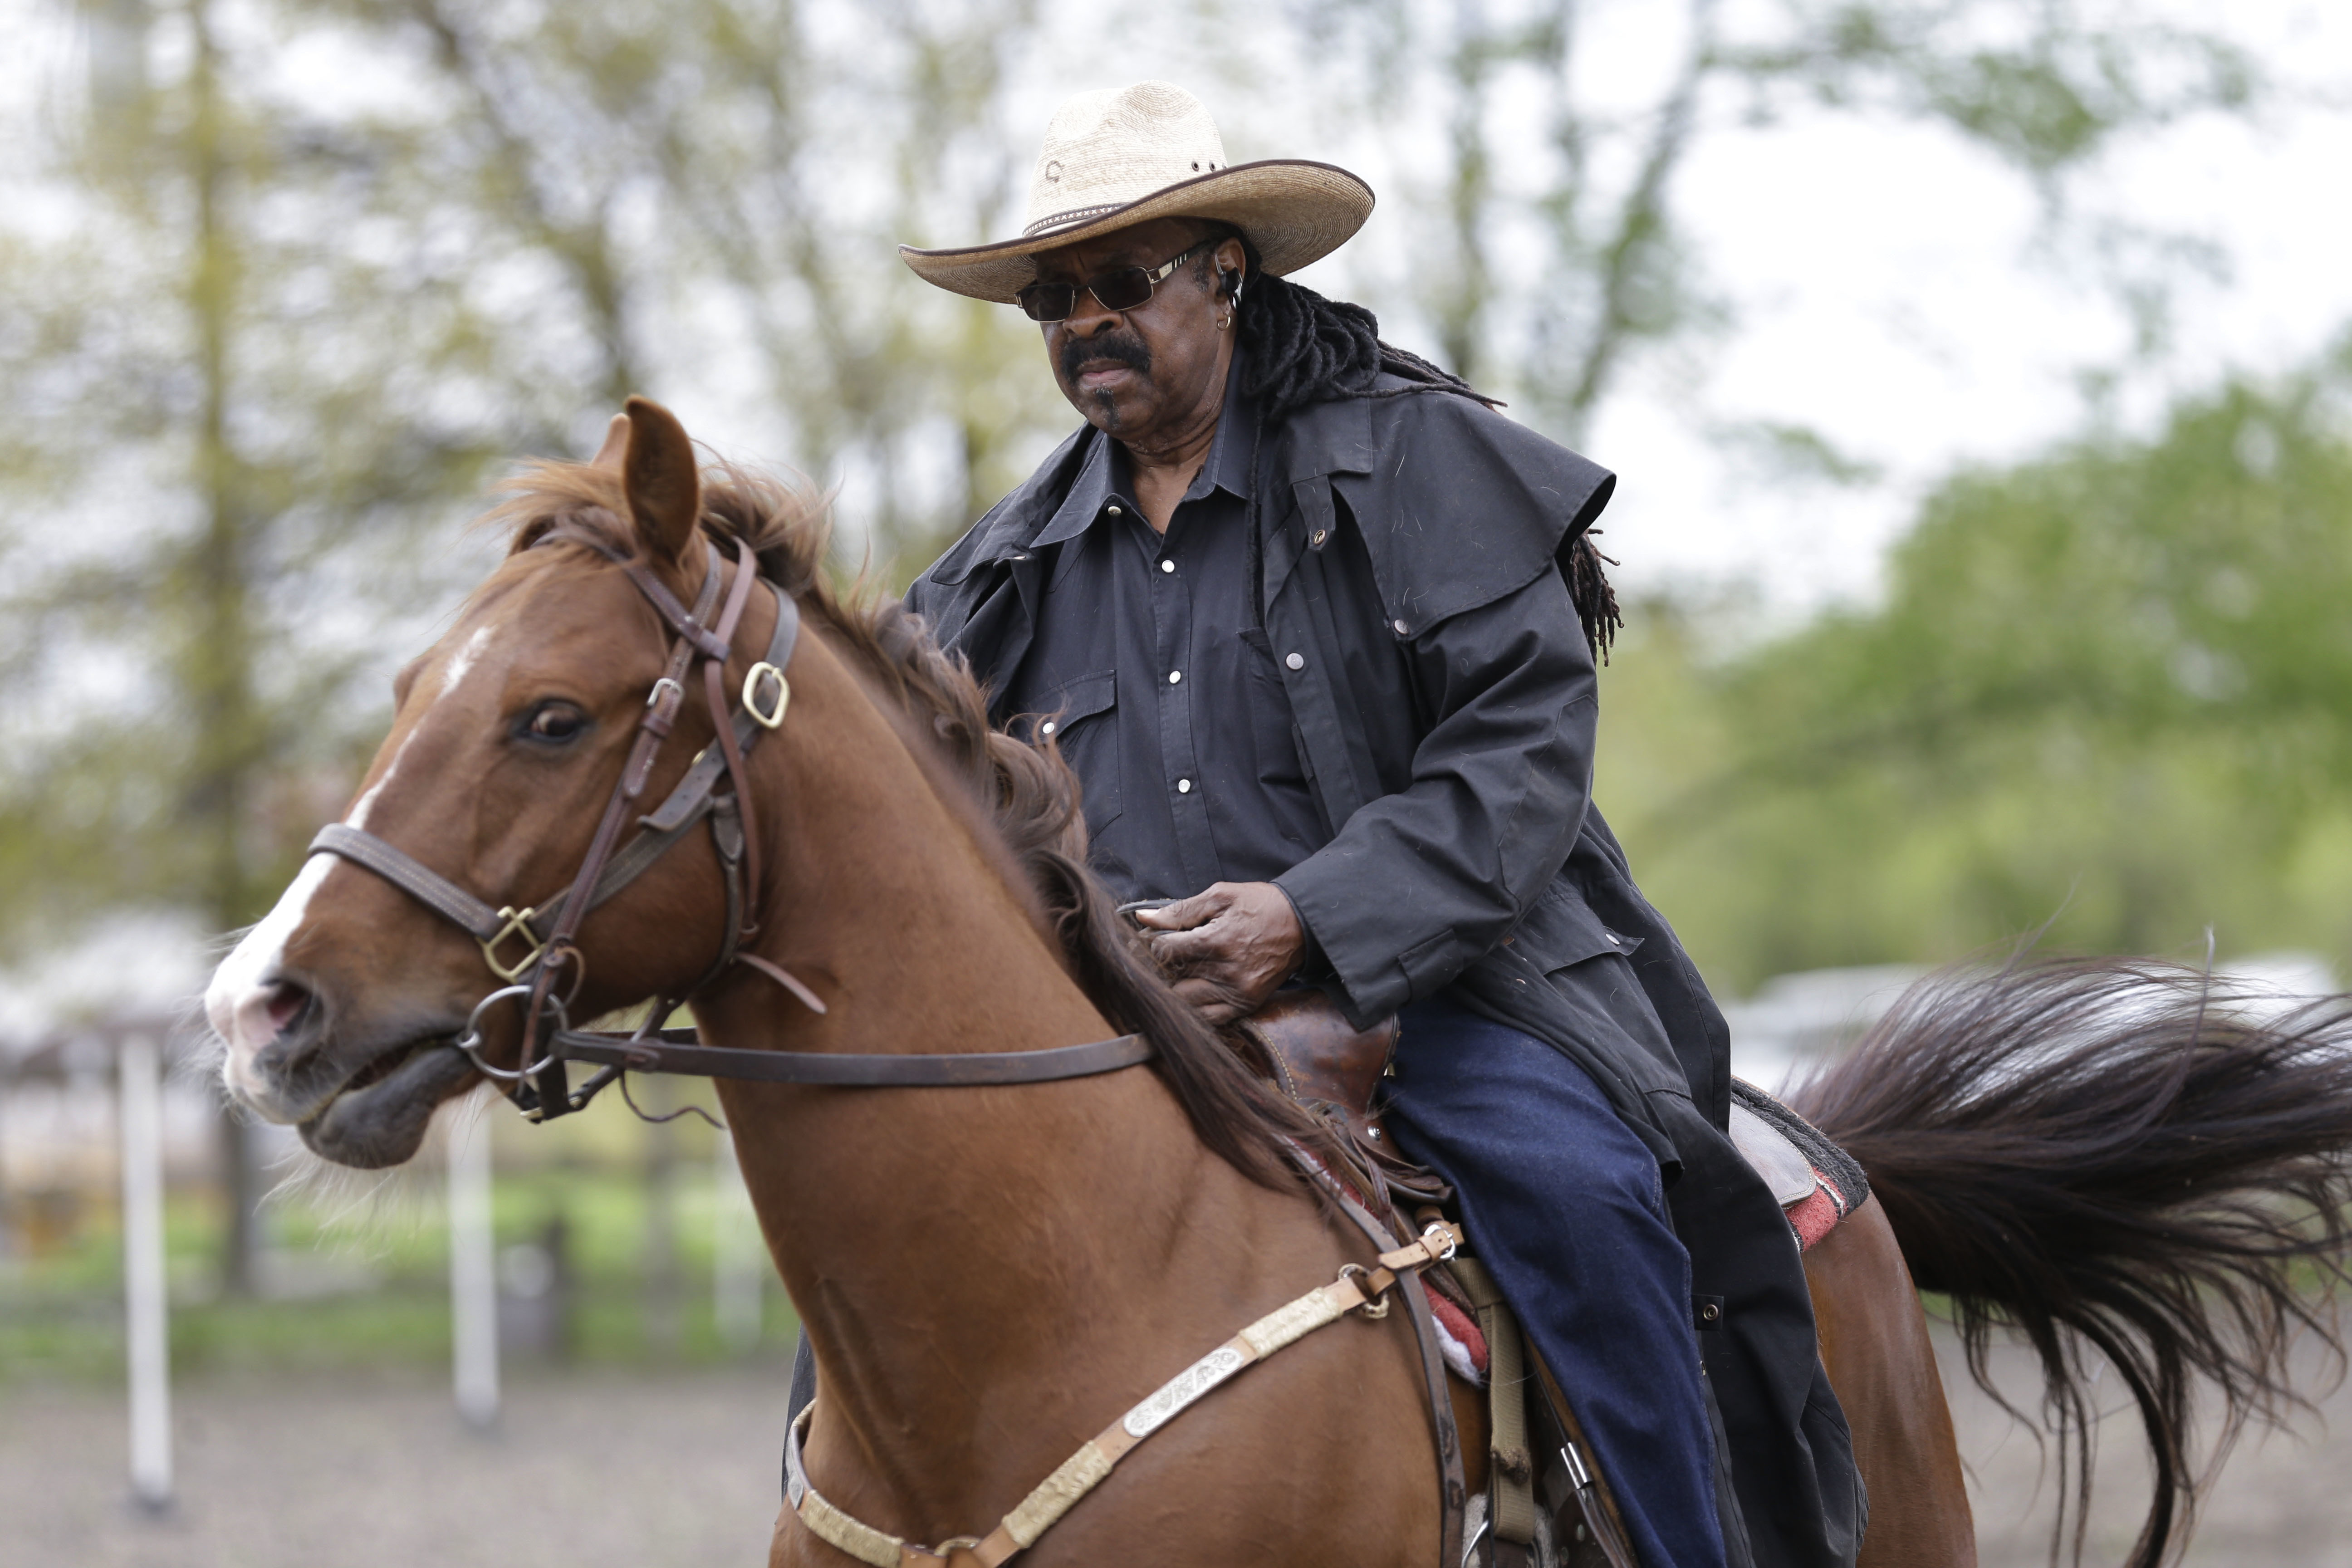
(955, 1217)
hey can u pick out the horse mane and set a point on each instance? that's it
(1028, 794)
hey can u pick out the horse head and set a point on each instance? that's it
(338, 1009)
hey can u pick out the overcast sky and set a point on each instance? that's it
(1884, 281)
(1887, 290)
(1887, 296)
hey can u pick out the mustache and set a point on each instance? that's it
(1125, 348)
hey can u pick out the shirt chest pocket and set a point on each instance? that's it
(1081, 717)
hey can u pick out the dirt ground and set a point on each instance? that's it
(587, 1471)
(649, 1470)
(2285, 1498)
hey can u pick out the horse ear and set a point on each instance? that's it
(664, 492)
(615, 448)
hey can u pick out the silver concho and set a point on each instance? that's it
(1183, 1389)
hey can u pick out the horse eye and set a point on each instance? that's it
(555, 722)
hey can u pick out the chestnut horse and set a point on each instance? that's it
(989, 1274)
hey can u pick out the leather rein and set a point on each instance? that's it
(529, 948)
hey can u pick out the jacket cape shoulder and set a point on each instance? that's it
(1456, 504)
(1007, 527)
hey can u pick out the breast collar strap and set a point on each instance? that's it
(528, 948)
(1357, 1289)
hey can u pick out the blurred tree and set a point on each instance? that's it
(721, 185)
(290, 278)
(2111, 685)
(240, 386)
(875, 366)
(1557, 255)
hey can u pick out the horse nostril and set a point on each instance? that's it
(286, 1001)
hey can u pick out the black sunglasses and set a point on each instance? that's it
(1116, 289)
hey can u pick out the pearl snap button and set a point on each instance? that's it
(1175, 677)
(1400, 628)
(1046, 728)
(1183, 786)
(1168, 566)
(1297, 661)
(1115, 512)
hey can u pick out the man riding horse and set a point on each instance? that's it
(1316, 627)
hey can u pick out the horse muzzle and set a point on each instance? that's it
(379, 1117)
(360, 1094)
(278, 1061)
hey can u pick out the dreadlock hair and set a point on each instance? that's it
(1304, 349)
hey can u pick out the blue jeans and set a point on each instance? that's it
(1564, 1205)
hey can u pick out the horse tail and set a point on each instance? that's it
(2122, 1155)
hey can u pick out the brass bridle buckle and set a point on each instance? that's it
(767, 719)
(518, 924)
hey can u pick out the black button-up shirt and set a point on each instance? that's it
(1148, 669)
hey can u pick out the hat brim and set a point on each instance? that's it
(1292, 210)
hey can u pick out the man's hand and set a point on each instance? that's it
(1228, 948)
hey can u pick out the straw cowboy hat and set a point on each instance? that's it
(1127, 155)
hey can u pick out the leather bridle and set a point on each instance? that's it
(546, 934)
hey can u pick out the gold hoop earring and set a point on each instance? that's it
(1224, 320)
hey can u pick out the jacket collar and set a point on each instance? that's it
(1093, 488)
(1010, 527)
(1061, 498)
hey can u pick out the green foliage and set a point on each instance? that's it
(2045, 86)
(283, 338)
(2112, 686)
(739, 181)
(1552, 263)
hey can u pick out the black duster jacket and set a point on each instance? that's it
(1412, 546)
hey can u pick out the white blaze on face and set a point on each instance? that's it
(361, 807)
(465, 660)
(237, 1001)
